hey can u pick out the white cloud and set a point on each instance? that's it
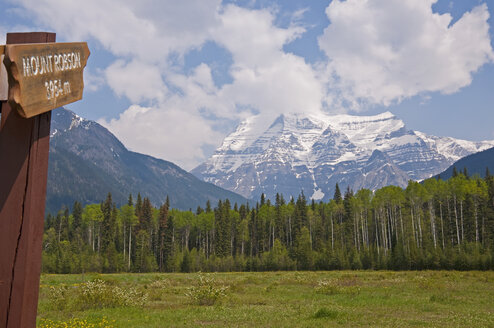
(383, 51)
(264, 76)
(173, 129)
(137, 80)
(93, 79)
(264, 79)
(251, 36)
(169, 133)
(379, 52)
(147, 29)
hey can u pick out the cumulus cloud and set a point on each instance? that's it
(265, 80)
(139, 81)
(169, 133)
(148, 30)
(264, 76)
(378, 52)
(383, 51)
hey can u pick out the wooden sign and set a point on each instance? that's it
(45, 76)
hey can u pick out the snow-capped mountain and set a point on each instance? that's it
(314, 152)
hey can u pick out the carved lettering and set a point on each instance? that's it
(34, 65)
(46, 75)
(26, 67)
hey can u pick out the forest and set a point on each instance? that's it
(435, 224)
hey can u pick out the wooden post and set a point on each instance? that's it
(24, 147)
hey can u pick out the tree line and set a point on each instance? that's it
(436, 224)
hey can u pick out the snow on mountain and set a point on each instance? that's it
(314, 152)
(455, 149)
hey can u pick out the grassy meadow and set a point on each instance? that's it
(269, 299)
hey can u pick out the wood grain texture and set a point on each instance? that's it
(4, 82)
(45, 76)
(24, 148)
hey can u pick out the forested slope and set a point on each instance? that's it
(435, 225)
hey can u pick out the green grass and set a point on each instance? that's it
(288, 299)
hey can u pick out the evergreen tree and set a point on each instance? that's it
(145, 220)
(337, 194)
(108, 224)
(76, 228)
(138, 207)
(168, 251)
(223, 229)
(301, 217)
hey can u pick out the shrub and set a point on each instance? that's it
(98, 293)
(206, 292)
(57, 296)
(328, 287)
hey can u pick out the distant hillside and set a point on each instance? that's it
(87, 162)
(475, 164)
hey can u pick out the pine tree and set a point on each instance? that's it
(300, 215)
(337, 194)
(76, 228)
(223, 229)
(168, 244)
(145, 221)
(162, 231)
(279, 233)
(138, 206)
(108, 224)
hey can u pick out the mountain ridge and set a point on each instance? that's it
(475, 164)
(87, 161)
(313, 152)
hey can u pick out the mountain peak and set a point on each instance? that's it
(313, 152)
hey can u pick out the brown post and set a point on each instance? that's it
(24, 147)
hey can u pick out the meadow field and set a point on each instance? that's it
(269, 299)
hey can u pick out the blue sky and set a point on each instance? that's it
(173, 78)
